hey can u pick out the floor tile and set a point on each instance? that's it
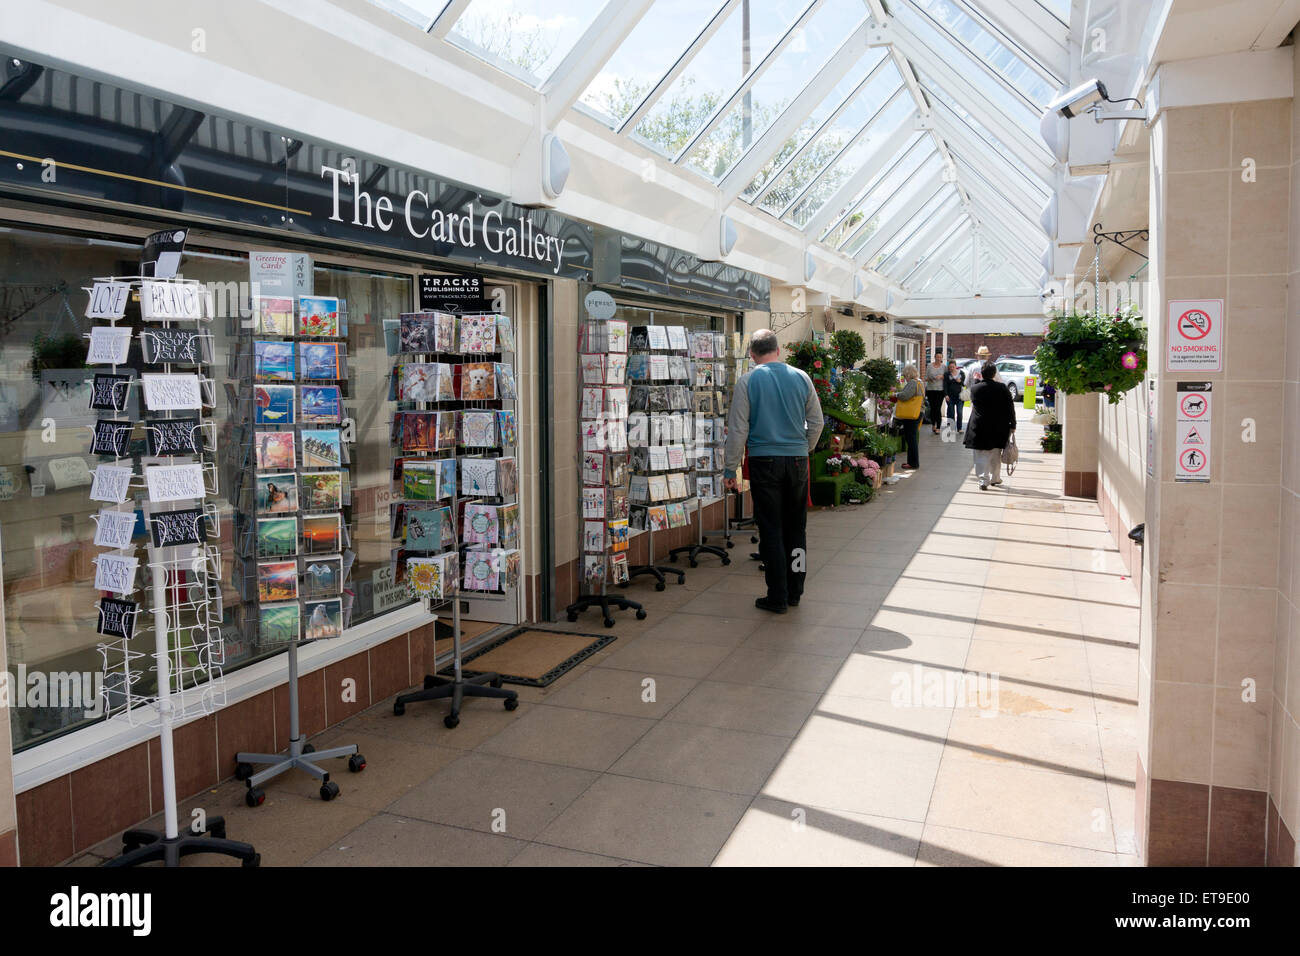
(736, 761)
(572, 738)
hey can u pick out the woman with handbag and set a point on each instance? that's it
(992, 425)
(907, 415)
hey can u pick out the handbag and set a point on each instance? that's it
(965, 394)
(910, 408)
(1010, 454)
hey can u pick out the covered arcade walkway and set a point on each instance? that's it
(791, 740)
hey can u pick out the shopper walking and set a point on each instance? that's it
(908, 415)
(992, 421)
(934, 393)
(776, 416)
(954, 380)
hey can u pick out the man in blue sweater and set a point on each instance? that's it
(775, 414)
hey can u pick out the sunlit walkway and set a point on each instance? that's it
(836, 734)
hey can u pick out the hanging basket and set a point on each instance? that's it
(1090, 352)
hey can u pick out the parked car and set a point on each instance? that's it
(1013, 372)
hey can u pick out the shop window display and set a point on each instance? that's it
(47, 428)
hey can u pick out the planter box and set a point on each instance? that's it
(878, 480)
(888, 471)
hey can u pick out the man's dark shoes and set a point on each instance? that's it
(764, 604)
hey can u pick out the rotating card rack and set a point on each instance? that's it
(604, 530)
(303, 327)
(444, 407)
(707, 444)
(183, 570)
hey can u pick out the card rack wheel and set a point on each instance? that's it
(128, 846)
(398, 708)
(672, 558)
(694, 563)
(255, 797)
(329, 790)
(753, 539)
(660, 585)
(243, 771)
(640, 614)
(609, 622)
(725, 561)
(512, 703)
(356, 763)
(451, 721)
(217, 830)
(496, 682)
(730, 543)
(254, 860)
(308, 749)
(572, 617)
(430, 682)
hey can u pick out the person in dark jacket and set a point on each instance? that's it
(992, 421)
(954, 380)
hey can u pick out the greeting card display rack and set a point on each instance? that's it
(446, 406)
(183, 570)
(292, 529)
(604, 531)
(708, 442)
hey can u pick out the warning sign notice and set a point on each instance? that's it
(1194, 339)
(1192, 432)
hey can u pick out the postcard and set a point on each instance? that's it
(273, 405)
(108, 345)
(322, 576)
(116, 618)
(109, 392)
(273, 361)
(318, 316)
(481, 524)
(320, 361)
(321, 448)
(477, 381)
(176, 346)
(506, 425)
(505, 334)
(277, 580)
(110, 438)
(273, 315)
(165, 393)
(278, 623)
(174, 482)
(478, 333)
(182, 526)
(420, 480)
(115, 573)
(277, 537)
(274, 451)
(114, 529)
(324, 619)
(322, 405)
(478, 429)
(277, 494)
(322, 491)
(322, 534)
(110, 484)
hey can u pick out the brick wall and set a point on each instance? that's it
(965, 345)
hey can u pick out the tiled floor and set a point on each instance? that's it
(957, 688)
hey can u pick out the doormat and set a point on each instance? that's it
(531, 657)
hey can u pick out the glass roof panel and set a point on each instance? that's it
(819, 155)
(528, 38)
(650, 50)
(956, 24)
(923, 182)
(842, 147)
(715, 73)
(1030, 95)
(903, 246)
(420, 12)
(910, 230)
(940, 246)
(808, 50)
(1057, 8)
(920, 158)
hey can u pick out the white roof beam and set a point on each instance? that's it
(906, 235)
(980, 177)
(793, 116)
(755, 72)
(991, 235)
(953, 127)
(890, 152)
(586, 58)
(679, 67)
(940, 257)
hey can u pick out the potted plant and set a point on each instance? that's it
(1091, 352)
(834, 465)
(859, 493)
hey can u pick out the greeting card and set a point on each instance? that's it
(322, 491)
(593, 369)
(677, 337)
(505, 382)
(108, 345)
(276, 494)
(322, 405)
(506, 425)
(476, 382)
(322, 619)
(478, 333)
(110, 438)
(478, 476)
(114, 529)
(505, 334)
(278, 623)
(275, 451)
(274, 405)
(658, 336)
(593, 537)
(277, 537)
(321, 448)
(478, 428)
(273, 315)
(318, 316)
(320, 361)
(109, 391)
(322, 534)
(179, 527)
(180, 435)
(482, 524)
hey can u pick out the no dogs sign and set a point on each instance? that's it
(1194, 341)
(1192, 431)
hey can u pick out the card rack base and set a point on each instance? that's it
(605, 602)
(151, 846)
(659, 573)
(695, 550)
(300, 755)
(457, 687)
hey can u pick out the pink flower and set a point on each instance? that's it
(1108, 388)
(817, 364)
(1129, 360)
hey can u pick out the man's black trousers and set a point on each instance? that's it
(779, 487)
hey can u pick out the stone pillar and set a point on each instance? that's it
(1079, 420)
(1207, 703)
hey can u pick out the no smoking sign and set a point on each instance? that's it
(1194, 340)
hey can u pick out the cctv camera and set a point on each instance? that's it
(1079, 100)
